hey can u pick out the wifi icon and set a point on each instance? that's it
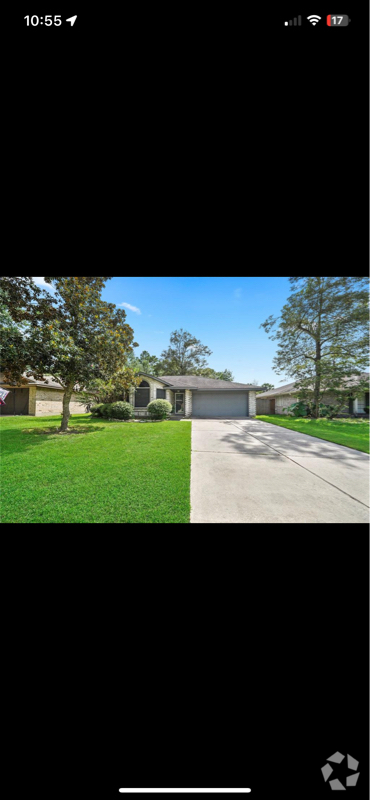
(314, 19)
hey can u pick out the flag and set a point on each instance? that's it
(3, 396)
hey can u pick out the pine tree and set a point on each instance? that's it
(322, 335)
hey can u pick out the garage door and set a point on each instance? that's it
(220, 404)
(16, 403)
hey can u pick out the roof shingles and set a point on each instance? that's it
(198, 382)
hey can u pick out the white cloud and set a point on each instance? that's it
(131, 308)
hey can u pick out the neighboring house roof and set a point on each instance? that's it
(287, 389)
(49, 383)
(290, 388)
(198, 382)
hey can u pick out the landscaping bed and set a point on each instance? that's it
(111, 473)
(352, 433)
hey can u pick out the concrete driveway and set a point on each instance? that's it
(246, 470)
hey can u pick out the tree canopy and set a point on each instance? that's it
(185, 354)
(226, 375)
(266, 387)
(144, 363)
(322, 335)
(72, 334)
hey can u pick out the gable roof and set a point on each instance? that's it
(154, 377)
(198, 382)
(290, 388)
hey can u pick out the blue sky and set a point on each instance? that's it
(224, 313)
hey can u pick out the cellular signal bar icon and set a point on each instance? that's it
(294, 21)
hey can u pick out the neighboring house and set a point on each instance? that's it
(37, 399)
(194, 396)
(275, 400)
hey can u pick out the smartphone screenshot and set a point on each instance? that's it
(192, 137)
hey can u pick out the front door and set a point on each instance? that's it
(180, 403)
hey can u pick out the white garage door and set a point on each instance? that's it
(220, 404)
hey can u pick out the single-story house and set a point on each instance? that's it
(189, 395)
(194, 396)
(275, 400)
(37, 399)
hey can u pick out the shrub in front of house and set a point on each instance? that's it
(120, 410)
(296, 410)
(159, 409)
(97, 411)
(327, 411)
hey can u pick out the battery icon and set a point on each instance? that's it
(337, 20)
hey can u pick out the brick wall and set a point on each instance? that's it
(252, 404)
(188, 402)
(32, 401)
(49, 402)
(283, 401)
(170, 396)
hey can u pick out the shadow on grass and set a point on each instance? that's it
(55, 432)
(18, 440)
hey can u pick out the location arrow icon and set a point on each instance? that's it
(72, 20)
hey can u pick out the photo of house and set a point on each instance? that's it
(195, 396)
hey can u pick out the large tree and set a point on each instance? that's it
(322, 335)
(152, 365)
(186, 355)
(144, 363)
(117, 388)
(226, 375)
(72, 334)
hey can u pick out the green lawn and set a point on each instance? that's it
(350, 432)
(111, 472)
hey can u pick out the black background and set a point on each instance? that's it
(227, 656)
(198, 130)
(234, 656)
(224, 656)
(252, 667)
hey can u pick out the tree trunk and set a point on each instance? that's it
(66, 410)
(317, 390)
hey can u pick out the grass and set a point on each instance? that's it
(352, 433)
(110, 473)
